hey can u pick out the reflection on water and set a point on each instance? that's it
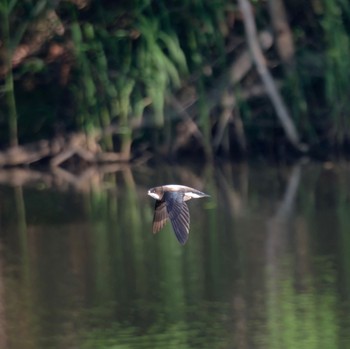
(267, 264)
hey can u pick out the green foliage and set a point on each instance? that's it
(122, 70)
(337, 70)
(159, 61)
(126, 58)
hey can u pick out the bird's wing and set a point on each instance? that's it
(179, 215)
(160, 215)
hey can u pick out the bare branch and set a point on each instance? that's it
(260, 62)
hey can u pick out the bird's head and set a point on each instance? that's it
(156, 193)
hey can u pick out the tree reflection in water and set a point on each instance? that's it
(80, 267)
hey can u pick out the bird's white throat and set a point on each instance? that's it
(153, 195)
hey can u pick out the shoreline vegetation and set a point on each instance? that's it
(103, 82)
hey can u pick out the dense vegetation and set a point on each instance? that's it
(167, 77)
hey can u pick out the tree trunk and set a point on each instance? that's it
(9, 86)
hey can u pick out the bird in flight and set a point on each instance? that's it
(170, 203)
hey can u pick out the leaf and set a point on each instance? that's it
(175, 52)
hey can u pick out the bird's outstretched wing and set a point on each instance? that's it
(179, 215)
(160, 215)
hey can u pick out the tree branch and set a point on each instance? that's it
(265, 75)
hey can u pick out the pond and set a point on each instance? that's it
(266, 265)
